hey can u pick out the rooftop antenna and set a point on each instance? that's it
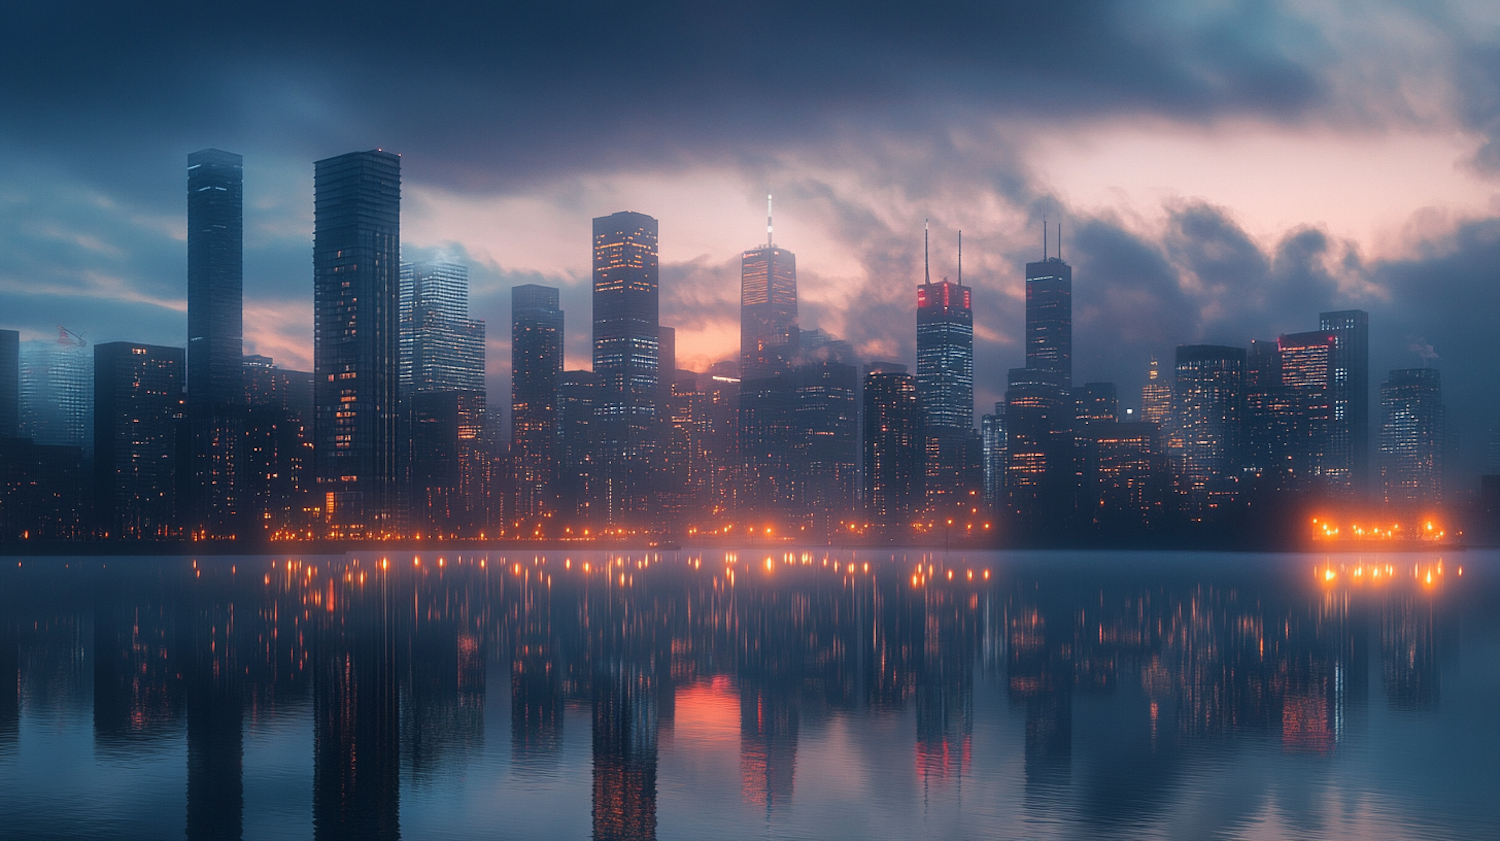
(1059, 242)
(1045, 252)
(926, 265)
(768, 219)
(960, 258)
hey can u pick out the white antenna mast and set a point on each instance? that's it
(926, 265)
(769, 241)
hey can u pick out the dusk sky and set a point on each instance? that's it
(1223, 170)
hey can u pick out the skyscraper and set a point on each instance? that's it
(216, 223)
(137, 418)
(216, 421)
(536, 352)
(893, 476)
(1306, 362)
(1208, 410)
(1049, 317)
(626, 336)
(945, 351)
(768, 309)
(1411, 437)
(1156, 396)
(1349, 435)
(442, 349)
(1038, 449)
(356, 283)
(576, 482)
(57, 391)
(10, 382)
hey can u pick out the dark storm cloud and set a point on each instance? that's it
(499, 94)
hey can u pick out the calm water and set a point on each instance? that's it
(739, 695)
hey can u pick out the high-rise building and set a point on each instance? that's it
(945, 390)
(356, 295)
(992, 440)
(216, 277)
(442, 349)
(827, 442)
(1349, 438)
(1208, 412)
(138, 409)
(768, 309)
(215, 388)
(1096, 403)
(1412, 421)
(1038, 449)
(10, 383)
(893, 476)
(1049, 318)
(447, 461)
(1156, 396)
(577, 479)
(277, 464)
(536, 352)
(1306, 362)
(626, 336)
(57, 392)
(1129, 474)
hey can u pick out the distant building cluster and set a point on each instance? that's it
(392, 434)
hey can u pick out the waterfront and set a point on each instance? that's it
(775, 693)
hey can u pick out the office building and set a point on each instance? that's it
(826, 424)
(626, 345)
(1049, 317)
(1156, 396)
(576, 481)
(138, 411)
(893, 434)
(215, 243)
(57, 392)
(1412, 427)
(945, 390)
(10, 383)
(992, 442)
(1306, 363)
(447, 463)
(1208, 410)
(441, 348)
(356, 295)
(768, 310)
(1349, 434)
(1039, 468)
(536, 348)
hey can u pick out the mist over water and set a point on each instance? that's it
(758, 693)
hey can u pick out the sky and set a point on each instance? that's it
(1223, 171)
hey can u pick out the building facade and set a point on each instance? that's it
(1412, 427)
(1208, 411)
(536, 347)
(356, 296)
(1349, 398)
(138, 418)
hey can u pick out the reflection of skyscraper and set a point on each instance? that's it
(1411, 437)
(626, 342)
(212, 675)
(768, 745)
(138, 414)
(356, 284)
(625, 729)
(536, 352)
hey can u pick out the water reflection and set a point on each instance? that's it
(1125, 687)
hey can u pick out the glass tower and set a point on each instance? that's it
(442, 349)
(536, 347)
(945, 354)
(57, 391)
(1209, 405)
(768, 311)
(138, 409)
(216, 223)
(1350, 395)
(626, 344)
(356, 294)
(1049, 318)
(1411, 437)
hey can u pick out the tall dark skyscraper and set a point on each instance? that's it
(626, 336)
(216, 277)
(1350, 395)
(356, 282)
(137, 418)
(1306, 364)
(1411, 437)
(10, 382)
(216, 423)
(1049, 317)
(536, 352)
(768, 309)
(893, 478)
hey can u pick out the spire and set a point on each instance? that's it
(960, 258)
(1059, 242)
(769, 241)
(926, 264)
(1045, 252)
